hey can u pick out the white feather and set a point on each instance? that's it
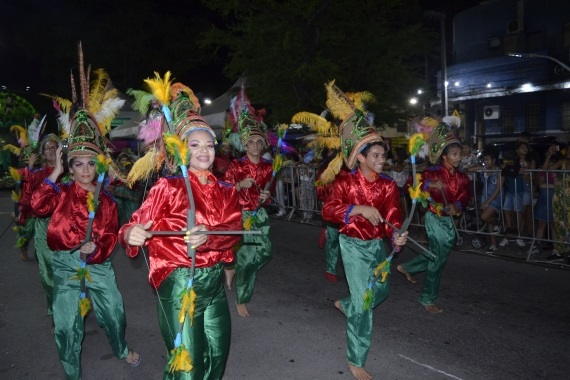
(63, 122)
(109, 109)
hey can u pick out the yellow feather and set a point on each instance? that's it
(97, 93)
(160, 87)
(15, 196)
(64, 104)
(90, 202)
(84, 306)
(145, 166)
(12, 149)
(22, 134)
(15, 174)
(330, 173)
(177, 148)
(337, 102)
(360, 99)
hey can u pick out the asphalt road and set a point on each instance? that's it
(502, 319)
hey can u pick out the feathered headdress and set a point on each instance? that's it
(171, 112)
(355, 129)
(325, 135)
(438, 135)
(85, 120)
(28, 138)
(246, 122)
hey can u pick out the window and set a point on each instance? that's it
(533, 117)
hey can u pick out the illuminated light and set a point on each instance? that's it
(414, 101)
(456, 84)
(527, 87)
(207, 101)
(420, 91)
(489, 85)
(446, 83)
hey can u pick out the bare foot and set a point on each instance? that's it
(133, 359)
(229, 273)
(242, 310)
(409, 277)
(359, 372)
(339, 307)
(433, 309)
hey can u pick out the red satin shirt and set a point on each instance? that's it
(351, 189)
(67, 205)
(243, 168)
(217, 208)
(455, 186)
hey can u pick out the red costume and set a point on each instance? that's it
(351, 189)
(67, 204)
(456, 187)
(243, 168)
(166, 204)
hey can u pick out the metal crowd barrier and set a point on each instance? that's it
(296, 200)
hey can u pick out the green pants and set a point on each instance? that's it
(441, 237)
(207, 338)
(253, 254)
(360, 258)
(332, 248)
(45, 258)
(69, 324)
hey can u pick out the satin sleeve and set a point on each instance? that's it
(45, 198)
(151, 209)
(336, 208)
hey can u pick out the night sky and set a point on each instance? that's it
(35, 34)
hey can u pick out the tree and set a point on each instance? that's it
(289, 49)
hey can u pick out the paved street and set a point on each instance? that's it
(502, 319)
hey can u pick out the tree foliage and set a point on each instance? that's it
(288, 49)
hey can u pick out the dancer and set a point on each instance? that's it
(83, 231)
(201, 347)
(447, 186)
(359, 202)
(44, 253)
(250, 174)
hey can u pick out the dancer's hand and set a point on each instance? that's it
(264, 195)
(88, 248)
(368, 212)
(401, 239)
(196, 240)
(137, 234)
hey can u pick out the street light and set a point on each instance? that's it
(522, 55)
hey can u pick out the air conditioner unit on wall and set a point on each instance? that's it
(491, 112)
